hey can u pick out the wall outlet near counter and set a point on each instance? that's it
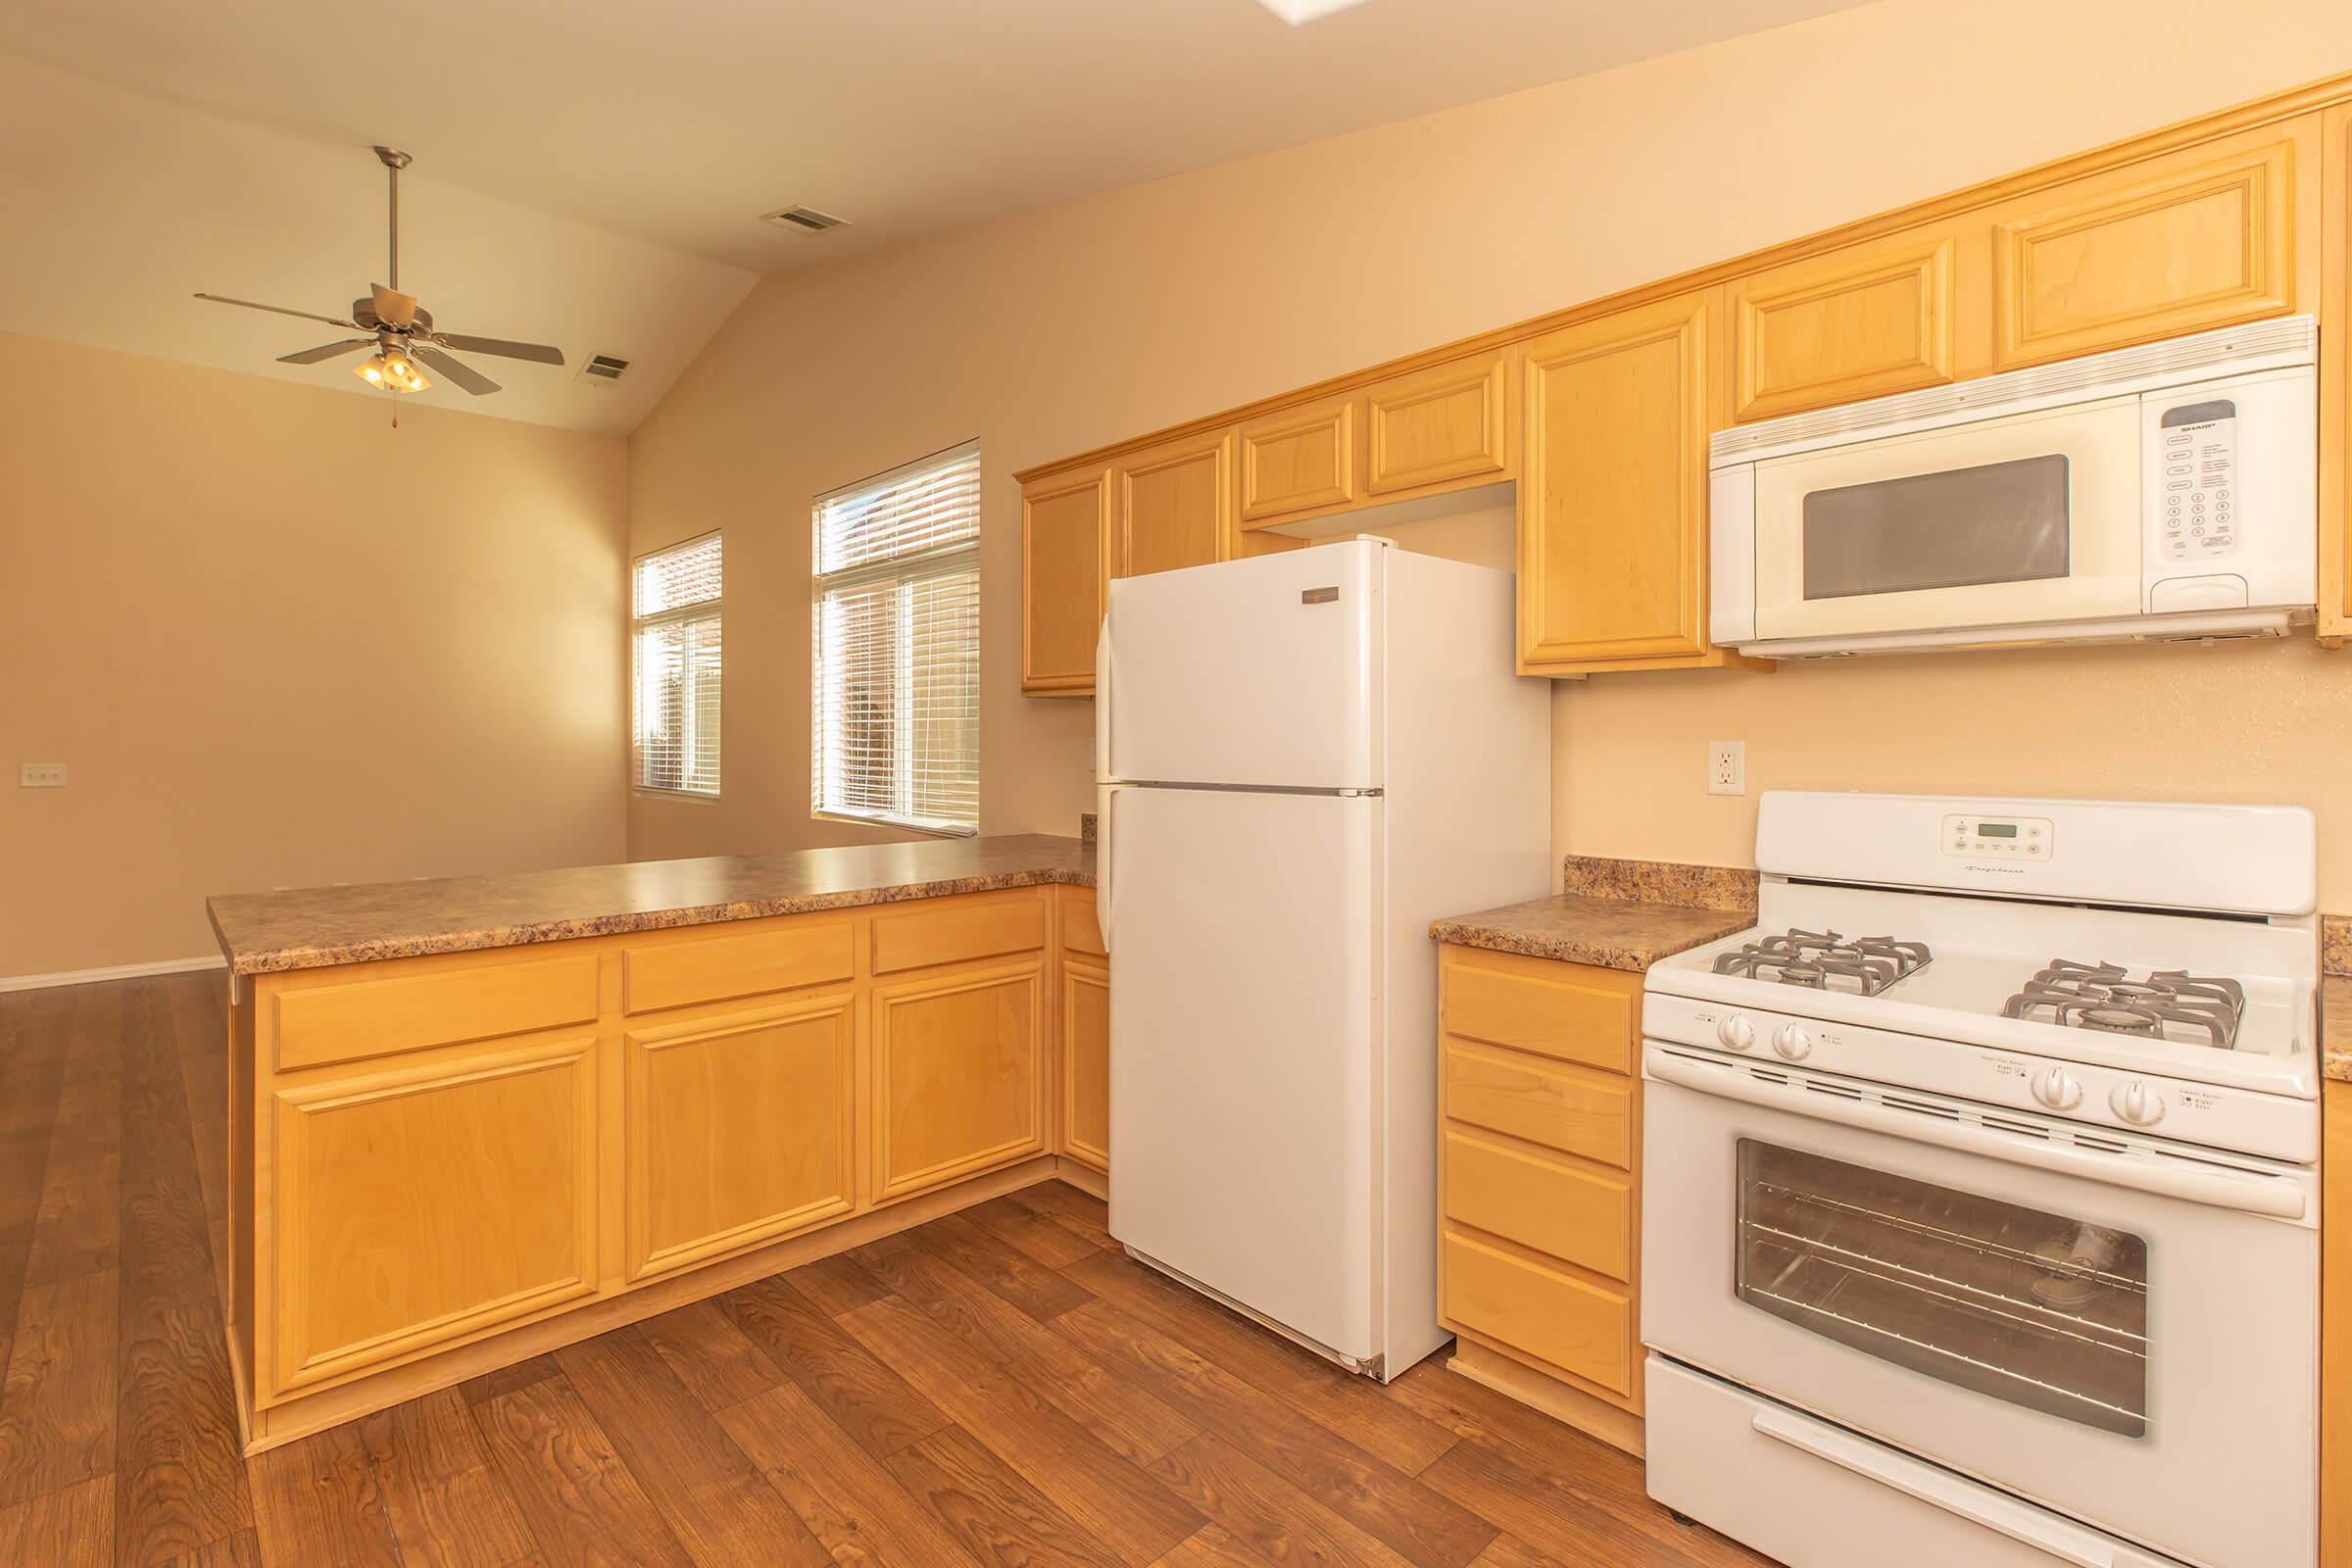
(1727, 768)
(40, 775)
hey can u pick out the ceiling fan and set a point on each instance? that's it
(401, 330)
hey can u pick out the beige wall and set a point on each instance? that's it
(277, 641)
(1049, 332)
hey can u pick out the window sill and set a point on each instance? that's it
(928, 830)
(646, 792)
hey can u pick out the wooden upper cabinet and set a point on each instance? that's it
(2336, 421)
(1174, 505)
(1065, 553)
(1861, 322)
(1612, 490)
(1447, 423)
(2193, 240)
(1299, 461)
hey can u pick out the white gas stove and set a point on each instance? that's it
(2005, 1118)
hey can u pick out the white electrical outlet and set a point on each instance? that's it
(40, 775)
(1727, 768)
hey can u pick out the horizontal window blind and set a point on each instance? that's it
(676, 655)
(896, 660)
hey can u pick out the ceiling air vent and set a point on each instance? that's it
(604, 368)
(808, 219)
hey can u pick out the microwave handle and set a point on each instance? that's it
(2214, 1187)
(1979, 1505)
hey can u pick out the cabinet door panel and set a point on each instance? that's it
(1856, 323)
(958, 1075)
(1085, 1064)
(1175, 505)
(1445, 422)
(413, 1210)
(1298, 460)
(741, 1128)
(1066, 539)
(1612, 492)
(2131, 257)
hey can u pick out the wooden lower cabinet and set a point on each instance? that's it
(472, 1172)
(1538, 1185)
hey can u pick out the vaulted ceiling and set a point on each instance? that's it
(590, 172)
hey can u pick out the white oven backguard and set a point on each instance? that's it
(1879, 1298)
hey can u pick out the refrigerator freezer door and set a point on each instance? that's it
(1245, 1049)
(1264, 673)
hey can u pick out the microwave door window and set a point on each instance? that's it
(1999, 522)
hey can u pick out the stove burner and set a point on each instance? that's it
(2164, 1005)
(1824, 961)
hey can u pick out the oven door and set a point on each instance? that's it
(2124, 1334)
(2006, 522)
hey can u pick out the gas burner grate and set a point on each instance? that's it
(1824, 961)
(2162, 1004)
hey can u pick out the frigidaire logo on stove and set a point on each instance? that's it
(1998, 870)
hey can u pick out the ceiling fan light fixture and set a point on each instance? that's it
(392, 370)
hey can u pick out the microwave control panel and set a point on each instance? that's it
(2022, 837)
(2197, 460)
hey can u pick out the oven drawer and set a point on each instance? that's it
(1580, 1328)
(1574, 1110)
(1732, 1460)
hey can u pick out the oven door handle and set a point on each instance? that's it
(1937, 1489)
(2213, 1186)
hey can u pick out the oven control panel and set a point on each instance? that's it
(2019, 837)
(2131, 1102)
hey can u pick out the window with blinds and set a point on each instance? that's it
(895, 625)
(674, 649)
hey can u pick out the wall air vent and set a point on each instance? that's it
(604, 368)
(806, 220)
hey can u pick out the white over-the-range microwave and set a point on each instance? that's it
(2166, 491)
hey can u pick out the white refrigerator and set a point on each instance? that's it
(1303, 759)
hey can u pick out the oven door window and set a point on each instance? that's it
(1960, 528)
(2031, 1307)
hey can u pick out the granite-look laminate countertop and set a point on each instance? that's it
(2336, 1027)
(1609, 933)
(308, 928)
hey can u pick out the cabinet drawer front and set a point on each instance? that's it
(1551, 1009)
(1576, 1216)
(1845, 326)
(772, 957)
(1437, 424)
(1081, 929)
(317, 1025)
(1294, 461)
(1577, 1327)
(959, 1065)
(741, 1129)
(413, 1211)
(955, 932)
(1578, 1113)
(2204, 246)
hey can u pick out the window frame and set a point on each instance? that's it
(905, 568)
(701, 610)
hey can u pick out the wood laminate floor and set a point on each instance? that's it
(1001, 1386)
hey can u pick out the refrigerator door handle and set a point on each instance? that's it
(1105, 796)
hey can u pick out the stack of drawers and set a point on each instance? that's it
(1538, 1247)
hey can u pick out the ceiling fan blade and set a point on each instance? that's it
(462, 375)
(393, 308)
(326, 351)
(279, 310)
(538, 352)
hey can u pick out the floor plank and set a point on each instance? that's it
(1040, 1236)
(57, 1402)
(1260, 1509)
(998, 1517)
(709, 1355)
(857, 1388)
(836, 1284)
(317, 1500)
(447, 1505)
(582, 1503)
(856, 1509)
(1035, 1289)
(75, 1524)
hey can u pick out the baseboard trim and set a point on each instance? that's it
(118, 971)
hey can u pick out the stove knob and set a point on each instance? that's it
(1790, 1042)
(2057, 1089)
(1736, 1032)
(2138, 1104)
